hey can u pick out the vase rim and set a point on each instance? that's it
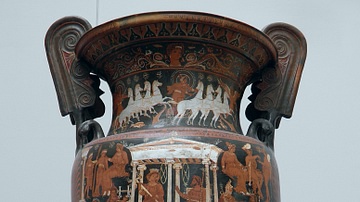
(127, 22)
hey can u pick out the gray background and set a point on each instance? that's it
(317, 150)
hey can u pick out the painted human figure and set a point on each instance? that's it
(227, 195)
(266, 168)
(119, 160)
(255, 175)
(118, 105)
(196, 193)
(233, 168)
(102, 165)
(233, 95)
(175, 51)
(118, 99)
(179, 90)
(113, 195)
(89, 175)
(152, 191)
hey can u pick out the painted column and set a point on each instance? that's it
(133, 183)
(141, 169)
(205, 162)
(169, 185)
(216, 193)
(177, 167)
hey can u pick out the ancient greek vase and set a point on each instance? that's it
(177, 79)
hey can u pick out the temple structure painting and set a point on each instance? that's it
(177, 80)
(176, 169)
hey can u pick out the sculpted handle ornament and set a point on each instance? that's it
(273, 95)
(177, 80)
(77, 90)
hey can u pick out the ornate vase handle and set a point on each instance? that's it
(274, 93)
(77, 90)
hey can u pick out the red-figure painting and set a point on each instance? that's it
(177, 80)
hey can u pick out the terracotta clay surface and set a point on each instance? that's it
(177, 79)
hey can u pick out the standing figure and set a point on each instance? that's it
(255, 175)
(89, 175)
(118, 106)
(266, 168)
(153, 191)
(118, 102)
(101, 166)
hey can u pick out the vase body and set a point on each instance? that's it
(176, 80)
(211, 166)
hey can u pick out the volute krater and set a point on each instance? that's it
(177, 79)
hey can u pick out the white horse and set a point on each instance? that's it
(130, 96)
(138, 90)
(132, 102)
(147, 100)
(154, 98)
(126, 115)
(193, 105)
(156, 93)
(140, 100)
(195, 111)
(147, 89)
(220, 108)
(207, 103)
(142, 104)
(132, 109)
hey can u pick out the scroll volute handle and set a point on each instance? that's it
(274, 94)
(77, 89)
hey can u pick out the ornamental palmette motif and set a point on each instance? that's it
(176, 79)
(126, 36)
